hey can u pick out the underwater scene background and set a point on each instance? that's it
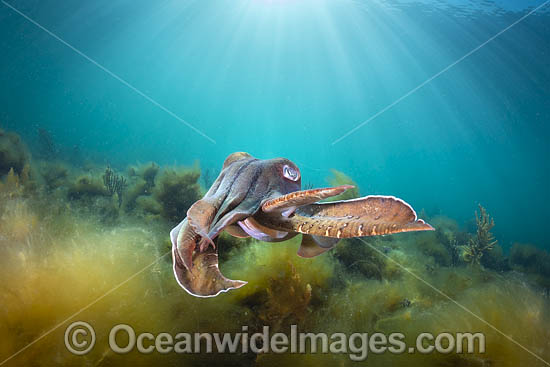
(444, 104)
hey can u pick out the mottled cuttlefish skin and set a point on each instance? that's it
(367, 216)
(262, 199)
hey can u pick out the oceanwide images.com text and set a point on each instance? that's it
(80, 339)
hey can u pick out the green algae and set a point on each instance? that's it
(66, 244)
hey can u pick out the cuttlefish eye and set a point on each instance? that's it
(291, 173)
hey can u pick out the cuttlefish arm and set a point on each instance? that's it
(204, 214)
(195, 262)
(203, 278)
(368, 216)
(286, 204)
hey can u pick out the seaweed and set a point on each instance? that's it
(453, 248)
(286, 299)
(149, 173)
(339, 178)
(114, 184)
(17, 221)
(283, 289)
(484, 240)
(86, 187)
(359, 258)
(55, 175)
(149, 204)
(227, 245)
(142, 182)
(532, 261)
(431, 245)
(13, 153)
(448, 234)
(136, 188)
(11, 187)
(46, 241)
(176, 191)
(495, 259)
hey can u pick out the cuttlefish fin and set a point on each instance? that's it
(204, 278)
(286, 204)
(312, 246)
(200, 216)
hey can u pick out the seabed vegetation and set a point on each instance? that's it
(70, 233)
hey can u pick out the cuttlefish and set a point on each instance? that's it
(263, 199)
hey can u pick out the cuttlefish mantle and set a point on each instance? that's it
(262, 199)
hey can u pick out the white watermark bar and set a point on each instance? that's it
(80, 339)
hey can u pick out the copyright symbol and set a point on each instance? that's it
(79, 338)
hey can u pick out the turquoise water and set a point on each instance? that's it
(444, 104)
(288, 78)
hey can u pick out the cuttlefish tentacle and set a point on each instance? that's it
(301, 198)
